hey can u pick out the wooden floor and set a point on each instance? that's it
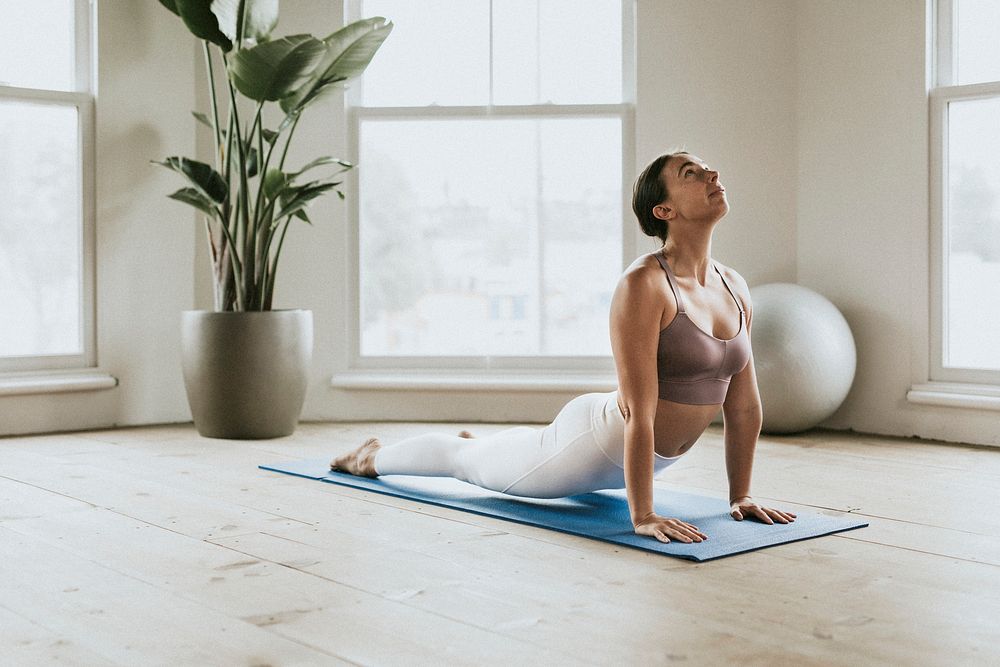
(153, 546)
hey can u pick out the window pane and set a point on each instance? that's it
(977, 47)
(558, 51)
(39, 230)
(972, 308)
(37, 44)
(438, 53)
(489, 236)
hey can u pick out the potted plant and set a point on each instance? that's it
(246, 365)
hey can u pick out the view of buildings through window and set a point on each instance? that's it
(972, 215)
(40, 168)
(489, 229)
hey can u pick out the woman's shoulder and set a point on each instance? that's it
(642, 275)
(641, 295)
(644, 264)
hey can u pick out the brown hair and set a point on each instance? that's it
(649, 190)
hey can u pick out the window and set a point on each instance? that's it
(46, 183)
(490, 137)
(965, 238)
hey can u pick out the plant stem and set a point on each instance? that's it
(257, 221)
(288, 141)
(244, 211)
(229, 221)
(237, 268)
(215, 106)
(269, 288)
(217, 248)
(216, 289)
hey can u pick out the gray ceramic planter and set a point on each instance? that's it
(246, 373)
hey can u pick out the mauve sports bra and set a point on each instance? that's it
(694, 367)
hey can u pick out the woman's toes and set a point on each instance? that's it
(365, 464)
(465, 434)
(361, 461)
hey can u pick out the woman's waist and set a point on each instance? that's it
(677, 426)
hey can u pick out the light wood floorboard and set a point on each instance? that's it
(155, 546)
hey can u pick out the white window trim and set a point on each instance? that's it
(487, 373)
(469, 381)
(54, 382)
(83, 100)
(955, 387)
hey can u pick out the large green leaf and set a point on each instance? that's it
(274, 182)
(269, 135)
(319, 162)
(272, 70)
(207, 181)
(316, 94)
(347, 53)
(296, 198)
(351, 49)
(258, 18)
(198, 17)
(252, 162)
(193, 197)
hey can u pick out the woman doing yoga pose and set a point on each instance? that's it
(680, 335)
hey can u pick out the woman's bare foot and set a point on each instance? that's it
(361, 461)
(465, 434)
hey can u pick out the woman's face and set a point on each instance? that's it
(695, 192)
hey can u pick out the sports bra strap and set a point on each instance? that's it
(739, 304)
(670, 279)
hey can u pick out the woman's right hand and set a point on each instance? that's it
(663, 528)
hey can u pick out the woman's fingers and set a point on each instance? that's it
(688, 535)
(781, 517)
(740, 511)
(683, 538)
(666, 529)
(692, 529)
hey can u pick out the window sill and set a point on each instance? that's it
(956, 395)
(555, 381)
(55, 383)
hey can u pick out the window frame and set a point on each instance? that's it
(602, 365)
(942, 92)
(82, 98)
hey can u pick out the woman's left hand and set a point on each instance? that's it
(746, 507)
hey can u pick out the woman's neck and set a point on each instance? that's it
(690, 257)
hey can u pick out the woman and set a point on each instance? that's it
(680, 335)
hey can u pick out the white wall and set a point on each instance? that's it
(863, 205)
(718, 78)
(145, 242)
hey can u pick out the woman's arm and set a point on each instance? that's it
(742, 419)
(742, 416)
(636, 309)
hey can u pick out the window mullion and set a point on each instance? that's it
(945, 43)
(491, 55)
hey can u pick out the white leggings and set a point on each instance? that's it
(582, 450)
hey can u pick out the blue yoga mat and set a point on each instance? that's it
(601, 515)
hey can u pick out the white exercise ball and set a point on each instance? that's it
(804, 356)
